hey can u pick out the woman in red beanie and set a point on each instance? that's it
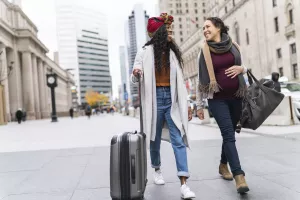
(164, 98)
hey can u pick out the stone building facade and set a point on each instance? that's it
(24, 65)
(190, 49)
(267, 31)
(189, 16)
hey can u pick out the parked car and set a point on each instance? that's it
(292, 89)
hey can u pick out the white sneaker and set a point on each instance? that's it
(158, 178)
(186, 193)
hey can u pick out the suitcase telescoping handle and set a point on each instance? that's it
(141, 107)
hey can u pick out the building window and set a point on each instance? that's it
(179, 19)
(196, 11)
(274, 3)
(276, 24)
(196, 5)
(295, 71)
(187, 11)
(181, 40)
(247, 37)
(293, 48)
(171, 5)
(281, 71)
(279, 55)
(176, 5)
(291, 19)
(237, 32)
(180, 32)
(197, 19)
(171, 11)
(226, 9)
(197, 25)
(204, 11)
(203, 4)
(233, 2)
(186, 4)
(180, 26)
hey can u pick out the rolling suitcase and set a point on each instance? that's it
(128, 164)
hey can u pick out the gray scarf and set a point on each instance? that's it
(207, 77)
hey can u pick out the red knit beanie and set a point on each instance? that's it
(154, 23)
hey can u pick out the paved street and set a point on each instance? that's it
(69, 160)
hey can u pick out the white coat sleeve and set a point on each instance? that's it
(138, 64)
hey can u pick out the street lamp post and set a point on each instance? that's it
(52, 83)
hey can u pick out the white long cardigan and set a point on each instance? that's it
(179, 110)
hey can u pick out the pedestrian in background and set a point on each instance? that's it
(71, 111)
(164, 98)
(221, 81)
(275, 79)
(111, 110)
(88, 111)
(19, 115)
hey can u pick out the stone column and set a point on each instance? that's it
(47, 90)
(36, 87)
(42, 84)
(27, 80)
(4, 81)
(14, 82)
(69, 94)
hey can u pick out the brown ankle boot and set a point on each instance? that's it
(224, 172)
(241, 184)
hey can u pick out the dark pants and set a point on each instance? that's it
(227, 114)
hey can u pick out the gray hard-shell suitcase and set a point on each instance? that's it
(128, 164)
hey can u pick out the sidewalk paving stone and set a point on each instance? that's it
(66, 172)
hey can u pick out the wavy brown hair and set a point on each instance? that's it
(162, 45)
(219, 23)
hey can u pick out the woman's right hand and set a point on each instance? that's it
(137, 72)
(200, 114)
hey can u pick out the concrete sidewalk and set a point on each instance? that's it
(62, 170)
(83, 173)
(262, 130)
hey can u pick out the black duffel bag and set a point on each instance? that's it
(260, 101)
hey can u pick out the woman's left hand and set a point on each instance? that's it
(234, 71)
(190, 113)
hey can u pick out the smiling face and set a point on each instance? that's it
(210, 31)
(170, 32)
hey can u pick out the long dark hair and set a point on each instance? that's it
(162, 45)
(219, 24)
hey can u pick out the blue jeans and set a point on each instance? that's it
(227, 114)
(164, 102)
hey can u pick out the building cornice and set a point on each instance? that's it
(235, 8)
(25, 33)
(19, 10)
(6, 26)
